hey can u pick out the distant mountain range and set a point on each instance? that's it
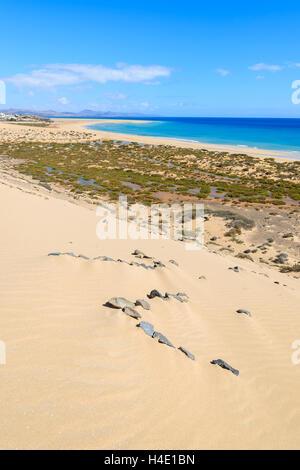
(86, 113)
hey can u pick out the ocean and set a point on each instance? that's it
(277, 134)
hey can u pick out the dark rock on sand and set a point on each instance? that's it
(162, 339)
(288, 235)
(187, 353)
(142, 303)
(148, 328)
(155, 293)
(119, 302)
(224, 365)
(68, 254)
(173, 262)
(103, 258)
(281, 259)
(83, 257)
(241, 310)
(140, 254)
(180, 296)
(175, 296)
(158, 264)
(235, 269)
(183, 295)
(56, 254)
(131, 312)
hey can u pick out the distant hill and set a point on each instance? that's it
(86, 113)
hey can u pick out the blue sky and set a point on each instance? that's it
(165, 58)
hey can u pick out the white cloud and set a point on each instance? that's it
(262, 66)
(260, 77)
(63, 100)
(145, 104)
(72, 74)
(223, 72)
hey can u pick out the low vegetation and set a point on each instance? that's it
(148, 173)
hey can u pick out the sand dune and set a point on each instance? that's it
(81, 375)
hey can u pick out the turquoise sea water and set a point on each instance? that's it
(282, 135)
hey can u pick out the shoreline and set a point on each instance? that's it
(34, 141)
(187, 143)
(78, 130)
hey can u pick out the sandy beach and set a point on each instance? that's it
(76, 130)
